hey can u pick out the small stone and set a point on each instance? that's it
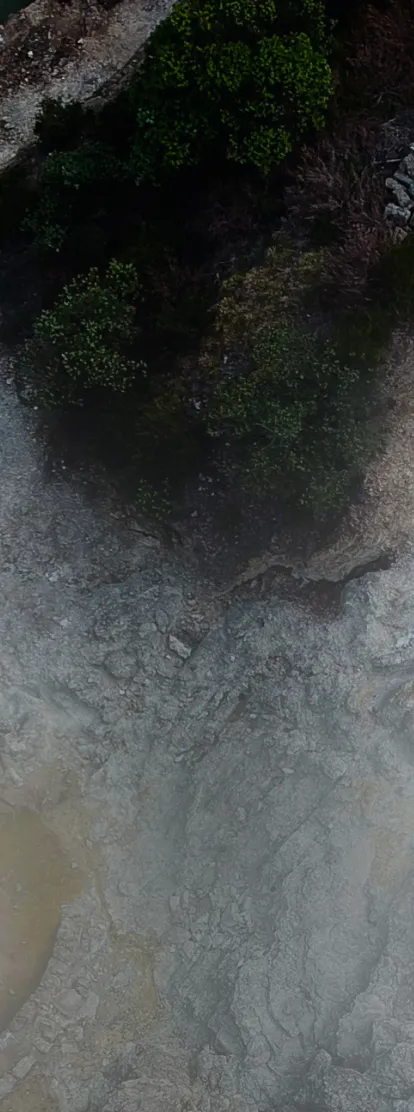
(24, 1066)
(68, 1048)
(69, 1002)
(7, 1083)
(41, 1044)
(397, 214)
(30, 53)
(177, 646)
(161, 620)
(401, 196)
(90, 1006)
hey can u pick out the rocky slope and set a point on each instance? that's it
(206, 820)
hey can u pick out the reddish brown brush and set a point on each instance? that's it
(338, 178)
(380, 56)
(348, 268)
(339, 189)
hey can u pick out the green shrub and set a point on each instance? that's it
(281, 287)
(247, 77)
(72, 181)
(59, 125)
(86, 340)
(290, 422)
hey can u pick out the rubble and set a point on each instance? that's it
(400, 211)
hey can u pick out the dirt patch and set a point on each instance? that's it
(32, 1093)
(66, 51)
(36, 878)
(45, 35)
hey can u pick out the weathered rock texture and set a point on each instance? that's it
(232, 785)
(400, 185)
(69, 51)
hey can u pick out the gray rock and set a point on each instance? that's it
(161, 619)
(24, 1066)
(397, 215)
(330, 1089)
(69, 1003)
(407, 164)
(394, 1073)
(179, 647)
(402, 198)
(405, 180)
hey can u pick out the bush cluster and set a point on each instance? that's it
(286, 407)
(87, 340)
(281, 408)
(288, 422)
(244, 78)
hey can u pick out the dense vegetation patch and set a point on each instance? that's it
(290, 420)
(85, 341)
(244, 78)
(260, 361)
(287, 406)
(240, 81)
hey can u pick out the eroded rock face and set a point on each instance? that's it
(239, 819)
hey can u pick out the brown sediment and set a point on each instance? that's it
(36, 879)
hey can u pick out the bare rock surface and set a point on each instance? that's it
(67, 51)
(228, 788)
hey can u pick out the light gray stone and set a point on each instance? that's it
(179, 647)
(69, 1003)
(24, 1066)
